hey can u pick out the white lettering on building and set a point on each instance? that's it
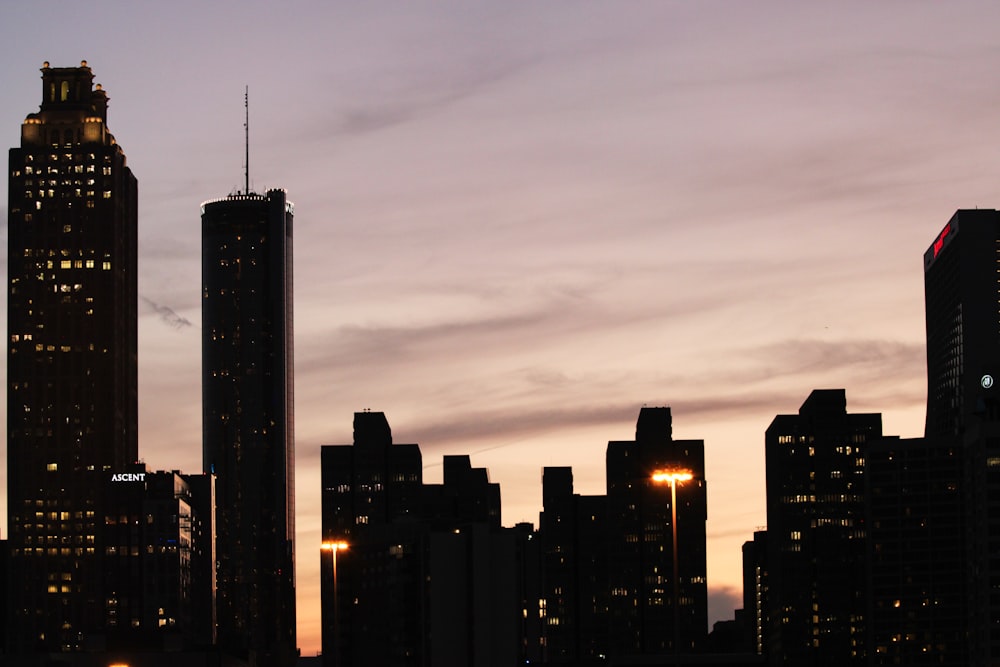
(129, 477)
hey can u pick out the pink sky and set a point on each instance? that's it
(517, 223)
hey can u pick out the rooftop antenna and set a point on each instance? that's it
(246, 133)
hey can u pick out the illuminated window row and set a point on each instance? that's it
(52, 551)
(51, 252)
(65, 348)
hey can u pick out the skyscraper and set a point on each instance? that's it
(935, 501)
(815, 538)
(71, 357)
(417, 574)
(922, 582)
(248, 419)
(370, 488)
(573, 536)
(650, 610)
(962, 310)
(962, 302)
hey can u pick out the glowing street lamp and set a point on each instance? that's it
(333, 547)
(673, 478)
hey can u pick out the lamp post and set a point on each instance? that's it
(333, 547)
(673, 478)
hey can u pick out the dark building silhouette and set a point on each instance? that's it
(608, 589)
(935, 501)
(961, 304)
(203, 558)
(816, 532)
(248, 439)
(155, 543)
(4, 587)
(573, 536)
(371, 489)
(755, 591)
(922, 588)
(426, 575)
(71, 359)
(642, 589)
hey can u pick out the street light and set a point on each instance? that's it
(673, 478)
(333, 547)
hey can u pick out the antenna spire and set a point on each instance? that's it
(246, 133)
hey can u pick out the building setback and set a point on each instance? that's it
(71, 359)
(248, 437)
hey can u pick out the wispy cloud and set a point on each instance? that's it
(167, 315)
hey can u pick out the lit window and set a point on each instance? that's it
(51, 467)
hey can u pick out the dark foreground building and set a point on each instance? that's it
(962, 309)
(650, 611)
(609, 588)
(247, 393)
(71, 359)
(416, 574)
(816, 599)
(935, 501)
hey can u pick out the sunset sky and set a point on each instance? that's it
(516, 223)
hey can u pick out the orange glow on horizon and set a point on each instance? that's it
(334, 546)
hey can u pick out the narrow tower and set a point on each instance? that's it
(248, 418)
(71, 358)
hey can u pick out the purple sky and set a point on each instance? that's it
(517, 223)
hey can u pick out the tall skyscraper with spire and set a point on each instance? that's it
(71, 358)
(248, 418)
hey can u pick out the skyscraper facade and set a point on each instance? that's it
(155, 543)
(371, 497)
(935, 501)
(922, 586)
(962, 304)
(573, 537)
(248, 419)
(418, 574)
(962, 310)
(650, 610)
(71, 358)
(815, 541)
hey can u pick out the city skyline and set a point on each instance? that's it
(518, 225)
